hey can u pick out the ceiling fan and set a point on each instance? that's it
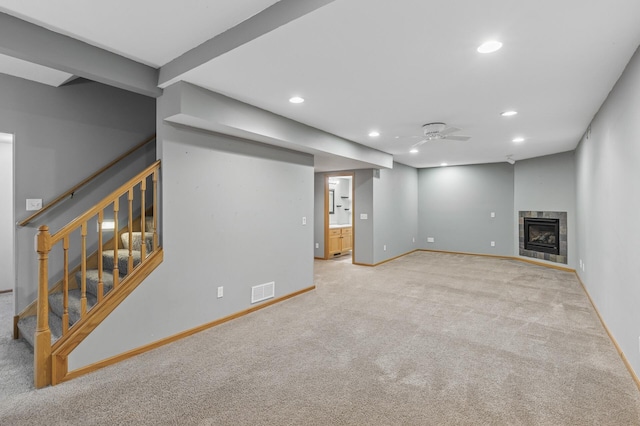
(438, 131)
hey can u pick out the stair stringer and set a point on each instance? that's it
(62, 348)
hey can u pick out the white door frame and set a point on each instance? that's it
(352, 175)
(11, 203)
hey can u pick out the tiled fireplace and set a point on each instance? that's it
(543, 235)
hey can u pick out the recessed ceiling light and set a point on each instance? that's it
(414, 150)
(509, 113)
(374, 134)
(444, 164)
(296, 100)
(518, 139)
(489, 46)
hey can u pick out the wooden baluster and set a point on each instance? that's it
(83, 268)
(116, 271)
(100, 265)
(42, 341)
(65, 286)
(130, 225)
(143, 219)
(155, 209)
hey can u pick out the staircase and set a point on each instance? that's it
(67, 311)
(27, 325)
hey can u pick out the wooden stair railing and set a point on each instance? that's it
(69, 193)
(132, 191)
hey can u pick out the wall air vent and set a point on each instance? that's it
(263, 292)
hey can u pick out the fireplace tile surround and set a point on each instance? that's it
(562, 217)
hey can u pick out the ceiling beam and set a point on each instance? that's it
(193, 106)
(23, 40)
(269, 19)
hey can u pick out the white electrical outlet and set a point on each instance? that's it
(317, 245)
(493, 214)
(220, 292)
(384, 247)
(414, 239)
(493, 243)
(431, 240)
(304, 220)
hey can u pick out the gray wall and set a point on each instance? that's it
(455, 205)
(363, 228)
(608, 202)
(395, 212)
(6, 216)
(232, 216)
(63, 135)
(548, 183)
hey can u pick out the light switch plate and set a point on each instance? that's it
(34, 204)
(363, 216)
(220, 291)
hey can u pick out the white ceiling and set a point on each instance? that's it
(149, 31)
(390, 66)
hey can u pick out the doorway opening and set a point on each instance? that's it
(7, 221)
(339, 232)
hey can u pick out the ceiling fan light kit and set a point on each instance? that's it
(433, 129)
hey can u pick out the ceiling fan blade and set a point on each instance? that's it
(419, 143)
(457, 138)
(449, 130)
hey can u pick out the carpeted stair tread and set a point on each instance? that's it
(92, 280)
(57, 307)
(123, 260)
(136, 237)
(28, 325)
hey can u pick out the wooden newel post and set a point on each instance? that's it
(42, 341)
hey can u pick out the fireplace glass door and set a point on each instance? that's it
(542, 235)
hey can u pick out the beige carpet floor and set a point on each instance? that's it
(16, 356)
(427, 339)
